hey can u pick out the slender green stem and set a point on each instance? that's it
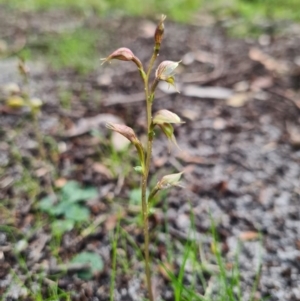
(149, 98)
(144, 199)
(152, 60)
(114, 260)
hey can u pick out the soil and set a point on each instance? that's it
(240, 150)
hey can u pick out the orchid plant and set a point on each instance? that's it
(164, 119)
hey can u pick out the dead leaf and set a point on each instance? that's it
(268, 62)
(118, 98)
(206, 57)
(41, 172)
(59, 183)
(294, 135)
(248, 235)
(147, 28)
(165, 269)
(188, 58)
(262, 82)
(241, 86)
(238, 100)
(104, 80)
(87, 124)
(189, 158)
(103, 170)
(37, 246)
(111, 222)
(190, 114)
(160, 161)
(219, 124)
(207, 92)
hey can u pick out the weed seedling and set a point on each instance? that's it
(163, 119)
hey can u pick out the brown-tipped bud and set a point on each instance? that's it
(128, 133)
(159, 32)
(168, 130)
(166, 116)
(123, 54)
(124, 130)
(169, 181)
(165, 72)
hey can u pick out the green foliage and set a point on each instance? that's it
(254, 17)
(94, 260)
(74, 50)
(179, 10)
(68, 206)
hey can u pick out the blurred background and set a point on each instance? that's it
(240, 18)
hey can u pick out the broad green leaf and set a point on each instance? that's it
(72, 192)
(135, 196)
(77, 213)
(60, 209)
(47, 204)
(94, 260)
(59, 227)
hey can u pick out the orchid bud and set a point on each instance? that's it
(165, 183)
(166, 116)
(128, 133)
(159, 32)
(166, 71)
(168, 130)
(124, 130)
(123, 54)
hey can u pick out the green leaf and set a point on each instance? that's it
(135, 196)
(77, 213)
(60, 209)
(59, 227)
(72, 192)
(47, 204)
(93, 259)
